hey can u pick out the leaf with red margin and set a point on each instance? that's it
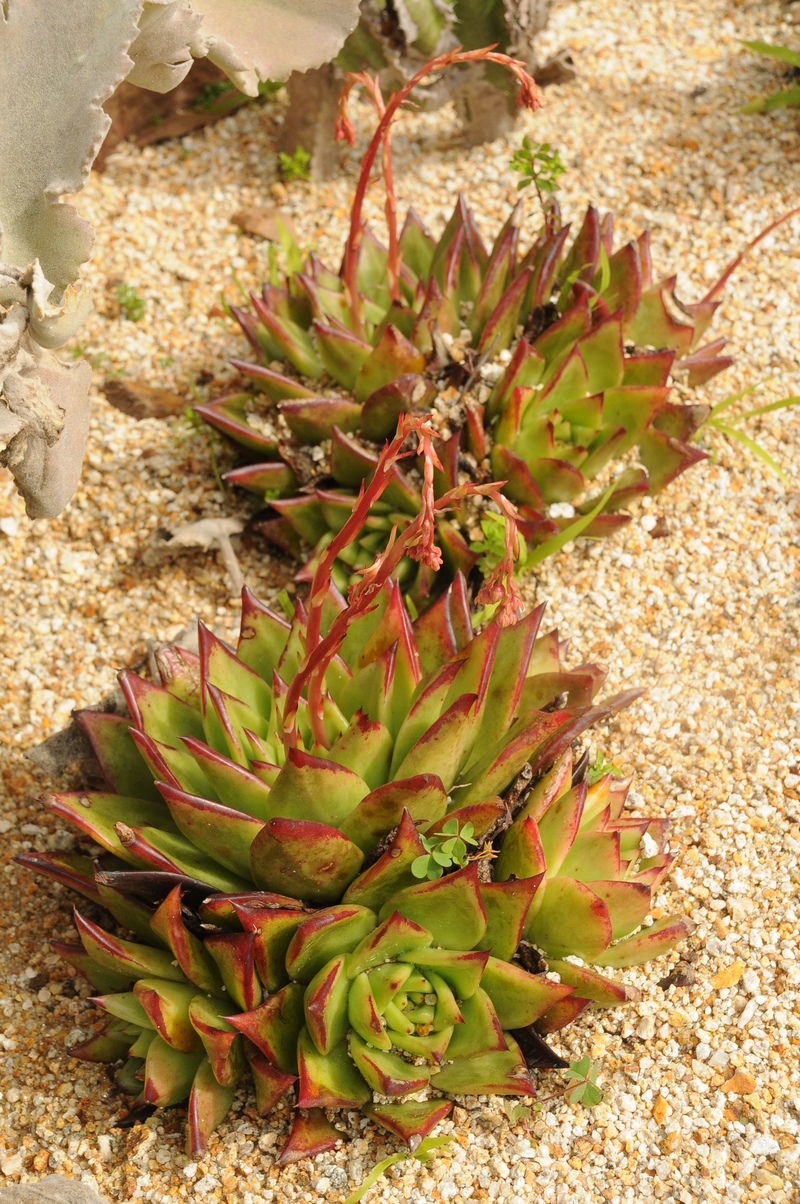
(312, 1133)
(209, 1104)
(275, 1026)
(571, 920)
(328, 1080)
(487, 1074)
(306, 860)
(270, 1083)
(450, 908)
(414, 1118)
(234, 953)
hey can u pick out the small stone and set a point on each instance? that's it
(11, 1165)
(750, 982)
(763, 1144)
(728, 977)
(740, 1083)
(9, 526)
(660, 1110)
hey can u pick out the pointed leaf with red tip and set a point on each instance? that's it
(306, 860)
(501, 1073)
(222, 1043)
(571, 919)
(342, 353)
(365, 748)
(126, 958)
(167, 1006)
(391, 872)
(101, 977)
(449, 908)
(657, 321)
(325, 1004)
(120, 762)
(324, 935)
(411, 1119)
(96, 814)
(481, 1031)
(222, 833)
(400, 395)
(262, 636)
(506, 905)
(270, 1083)
(293, 343)
(168, 1074)
(70, 869)
(311, 420)
(386, 1072)
(234, 953)
(312, 1133)
(209, 1104)
(229, 415)
(273, 479)
(588, 984)
(651, 942)
(393, 356)
(444, 746)
(394, 937)
(665, 458)
(275, 1026)
(520, 998)
(423, 796)
(276, 386)
(499, 766)
(273, 927)
(565, 1012)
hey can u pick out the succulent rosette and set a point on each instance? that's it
(263, 818)
(546, 361)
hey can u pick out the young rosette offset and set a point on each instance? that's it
(545, 360)
(265, 818)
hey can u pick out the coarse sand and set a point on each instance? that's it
(702, 1080)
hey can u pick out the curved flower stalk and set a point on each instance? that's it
(263, 817)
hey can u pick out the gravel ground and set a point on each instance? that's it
(702, 1081)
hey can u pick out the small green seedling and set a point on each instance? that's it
(581, 1088)
(423, 1153)
(131, 304)
(444, 851)
(599, 768)
(296, 166)
(540, 165)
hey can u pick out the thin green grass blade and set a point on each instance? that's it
(782, 53)
(423, 1153)
(551, 546)
(755, 448)
(786, 404)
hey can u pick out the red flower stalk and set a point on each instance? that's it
(529, 97)
(416, 541)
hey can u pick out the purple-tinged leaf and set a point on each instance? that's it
(101, 978)
(588, 984)
(157, 712)
(294, 344)
(120, 763)
(273, 479)
(565, 1012)
(312, 420)
(383, 407)
(70, 869)
(276, 386)
(126, 958)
